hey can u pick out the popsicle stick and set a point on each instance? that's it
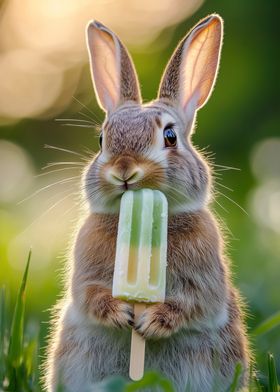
(137, 351)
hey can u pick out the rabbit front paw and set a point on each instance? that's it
(113, 312)
(160, 321)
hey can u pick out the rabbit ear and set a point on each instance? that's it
(191, 72)
(113, 74)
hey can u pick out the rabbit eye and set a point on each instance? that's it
(100, 140)
(170, 137)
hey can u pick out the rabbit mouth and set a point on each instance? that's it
(130, 187)
(119, 190)
(126, 186)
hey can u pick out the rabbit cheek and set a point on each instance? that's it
(154, 176)
(100, 194)
(187, 181)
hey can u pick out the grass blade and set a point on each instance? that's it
(272, 376)
(257, 385)
(2, 334)
(2, 318)
(267, 325)
(254, 384)
(15, 352)
(236, 377)
(30, 356)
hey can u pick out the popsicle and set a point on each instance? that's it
(140, 265)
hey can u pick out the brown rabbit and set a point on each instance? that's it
(197, 337)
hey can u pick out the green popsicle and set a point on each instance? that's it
(140, 265)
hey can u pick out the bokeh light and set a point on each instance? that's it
(30, 86)
(266, 205)
(43, 41)
(265, 159)
(16, 172)
(265, 198)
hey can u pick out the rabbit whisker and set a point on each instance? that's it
(224, 186)
(90, 152)
(96, 123)
(74, 119)
(65, 150)
(216, 174)
(234, 202)
(220, 205)
(51, 164)
(77, 125)
(77, 203)
(57, 170)
(48, 210)
(225, 167)
(60, 182)
(178, 192)
(84, 106)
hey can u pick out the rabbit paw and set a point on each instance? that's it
(113, 312)
(160, 321)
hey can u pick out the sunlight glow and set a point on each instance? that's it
(43, 50)
(46, 216)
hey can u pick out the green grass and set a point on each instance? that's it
(19, 356)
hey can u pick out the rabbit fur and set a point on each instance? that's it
(197, 336)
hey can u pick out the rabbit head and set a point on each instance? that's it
(149, 146)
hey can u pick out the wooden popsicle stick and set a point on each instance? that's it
(137, 350)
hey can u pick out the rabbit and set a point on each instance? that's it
(197, 336)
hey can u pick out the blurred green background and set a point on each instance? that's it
(44, 76)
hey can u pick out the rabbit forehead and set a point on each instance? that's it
(132, 128)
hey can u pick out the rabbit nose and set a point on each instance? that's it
(119, 177)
